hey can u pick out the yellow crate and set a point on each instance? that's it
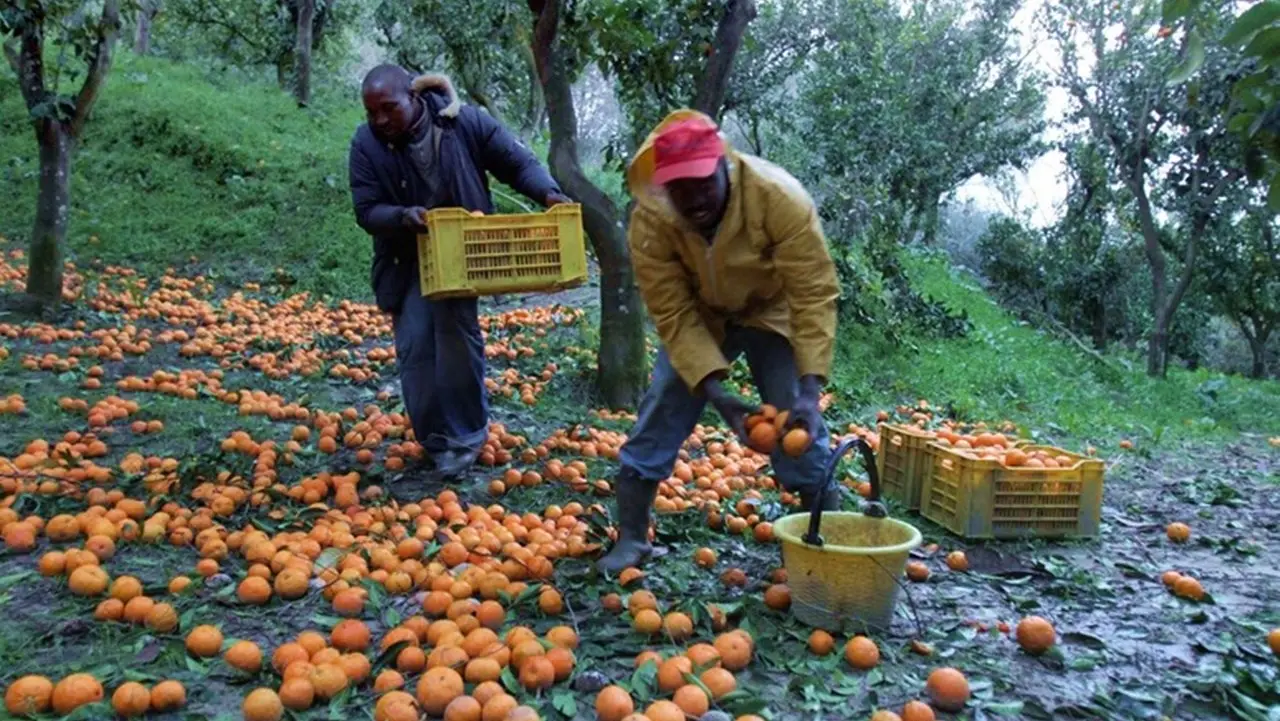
(903, 462)
(463, 256)
(986, 499)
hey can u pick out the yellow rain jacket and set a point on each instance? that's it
(767, 267)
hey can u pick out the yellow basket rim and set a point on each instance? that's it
(786, 537)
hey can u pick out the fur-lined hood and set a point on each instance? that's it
(440, 85)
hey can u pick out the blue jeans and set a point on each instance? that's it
(440, 351)
(669, 411)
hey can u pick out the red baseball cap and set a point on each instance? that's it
(688, 149)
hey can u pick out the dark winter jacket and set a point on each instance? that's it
(384, 181)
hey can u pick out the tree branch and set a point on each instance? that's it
(715, 78)
(28, 59)
(99, 63)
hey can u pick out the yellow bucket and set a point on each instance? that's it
(849, 577)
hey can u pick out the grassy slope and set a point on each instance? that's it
(1007, 369)
(177, 163)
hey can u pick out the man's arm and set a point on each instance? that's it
(809, 282)
(510, 161)
(664, 286)
(373, 215)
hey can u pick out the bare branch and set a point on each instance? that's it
(715, 78)
(99, 64)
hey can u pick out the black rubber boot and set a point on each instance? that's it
(831, 500)
(635, 500)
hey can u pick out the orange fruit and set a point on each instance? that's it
(650, 657)
(297, 694)
(563, 636)
(1273, 640)
(131, 699)
(917, 711)
(168, 695)
(537, 673)
(254, 590)
(678, 626)
(463, 708)
(705, 557)
(647, 621)
(204, 641)
(719, 682)
(562, 661)
(382, 711)
(862, 653)
(692, 700)
(735, 650)
(163, 618)
(551, 602)
(112, 609)
(1189, 588)
(703, 656)
(613, 703)
(1035, 635)
(499, 707)
(796, 442)
(763, 438)
(663, 710)
(287, 654)
(1178, 532)
(671, 673)
(388, 680)
(29, 695)
(821, 642)
(74, 691)
(244, 656)
(957, 561)
(948, 688)
(126, 588)
(437, 688)
(350, 635)
(88, 581)
(778, 597)
(883, 715)
(1170, 578)
(917, 571)
(262, 704)
(137, 609)
(329, 680)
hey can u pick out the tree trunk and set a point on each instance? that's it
(284, 69)
(537, 108)
(302, 83)
(1159, 340)
(621, 372)
(715, 77)
(147, 10)
(44, 274)
(929, 221)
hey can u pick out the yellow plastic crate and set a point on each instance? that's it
(903, 462)
(463, 256)
(986, 499)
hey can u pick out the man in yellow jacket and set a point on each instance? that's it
(731, 260)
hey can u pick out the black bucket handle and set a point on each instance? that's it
(873, 508)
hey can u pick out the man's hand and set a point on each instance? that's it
(733, 409)
(554, 198)
(805, 412)
(414, 217)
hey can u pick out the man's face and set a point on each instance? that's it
(390, 111)
(701, 201)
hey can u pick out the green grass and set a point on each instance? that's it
(178, 163)
(1005, 368)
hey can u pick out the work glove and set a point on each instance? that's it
(805, 412)
(555, 198)
(414, 217)
(733, 409)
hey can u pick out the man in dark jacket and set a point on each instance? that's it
(421, 149)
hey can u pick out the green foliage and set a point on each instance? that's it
(1255, 113)
(249, 34)
(483, 44)
(1242, 274)
(1004, 368)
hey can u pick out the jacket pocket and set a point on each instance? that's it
(391, 280)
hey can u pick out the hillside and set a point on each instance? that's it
(217, 450)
